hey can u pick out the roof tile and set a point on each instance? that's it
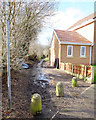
(71, 36)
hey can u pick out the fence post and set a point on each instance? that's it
(92, 74)
(64, 66)
(85, 73)
(72, 68)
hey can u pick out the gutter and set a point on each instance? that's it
(71, 43)
(90, 55)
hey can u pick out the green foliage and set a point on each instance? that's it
(94, 73)
(43, 57)
(33, 57)
(46, 59)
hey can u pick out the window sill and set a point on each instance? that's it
(83, 57)
(69, 56)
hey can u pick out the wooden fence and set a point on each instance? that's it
(80, 71)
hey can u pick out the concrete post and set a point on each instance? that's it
(74, 82)
(36, 104)
(59, 89)
(64, 66)
(92, 74)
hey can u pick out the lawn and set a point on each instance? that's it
(94, 73)
(46, 59)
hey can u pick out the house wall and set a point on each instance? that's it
(54, 49)
(94, 47)
(76, 55)
(88, 32)
(52, 54)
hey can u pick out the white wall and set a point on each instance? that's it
(52, 51)
(87, 32)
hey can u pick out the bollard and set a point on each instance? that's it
(59, 89)
(74, 82)
(36, 105)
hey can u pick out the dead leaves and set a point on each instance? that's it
(52, 82)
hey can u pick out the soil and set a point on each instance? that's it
(24, 85)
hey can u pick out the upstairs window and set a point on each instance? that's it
(69, 50)
(82, 51)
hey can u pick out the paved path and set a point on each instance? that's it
(89, 92)
(77, 102)
(90, 96)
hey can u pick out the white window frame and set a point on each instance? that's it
(71, 50)
(81, 51)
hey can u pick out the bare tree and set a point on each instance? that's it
(25, 20)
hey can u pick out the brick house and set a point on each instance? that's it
(77, 44)
(70, 46)
(87, 28)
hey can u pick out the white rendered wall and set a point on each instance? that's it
(87, 32)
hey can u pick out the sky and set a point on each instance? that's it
(67, 13)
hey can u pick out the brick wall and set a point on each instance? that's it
(75, 59)
(54, 51)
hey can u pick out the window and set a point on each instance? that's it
(82, 51)
(69, 50)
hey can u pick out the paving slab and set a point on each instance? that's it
(78, 102)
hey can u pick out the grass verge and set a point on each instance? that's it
(94, 73)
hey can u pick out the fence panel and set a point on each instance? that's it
(88, 73)
(77, 69)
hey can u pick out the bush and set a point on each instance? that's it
(32, 57)
(43, 57)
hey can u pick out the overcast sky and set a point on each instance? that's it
(67, 13)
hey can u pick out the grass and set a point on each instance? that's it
(94, 73)
(46, 59)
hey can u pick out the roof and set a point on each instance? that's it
(71, 37)
(87, 18)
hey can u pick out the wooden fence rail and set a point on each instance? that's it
(81, 71)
